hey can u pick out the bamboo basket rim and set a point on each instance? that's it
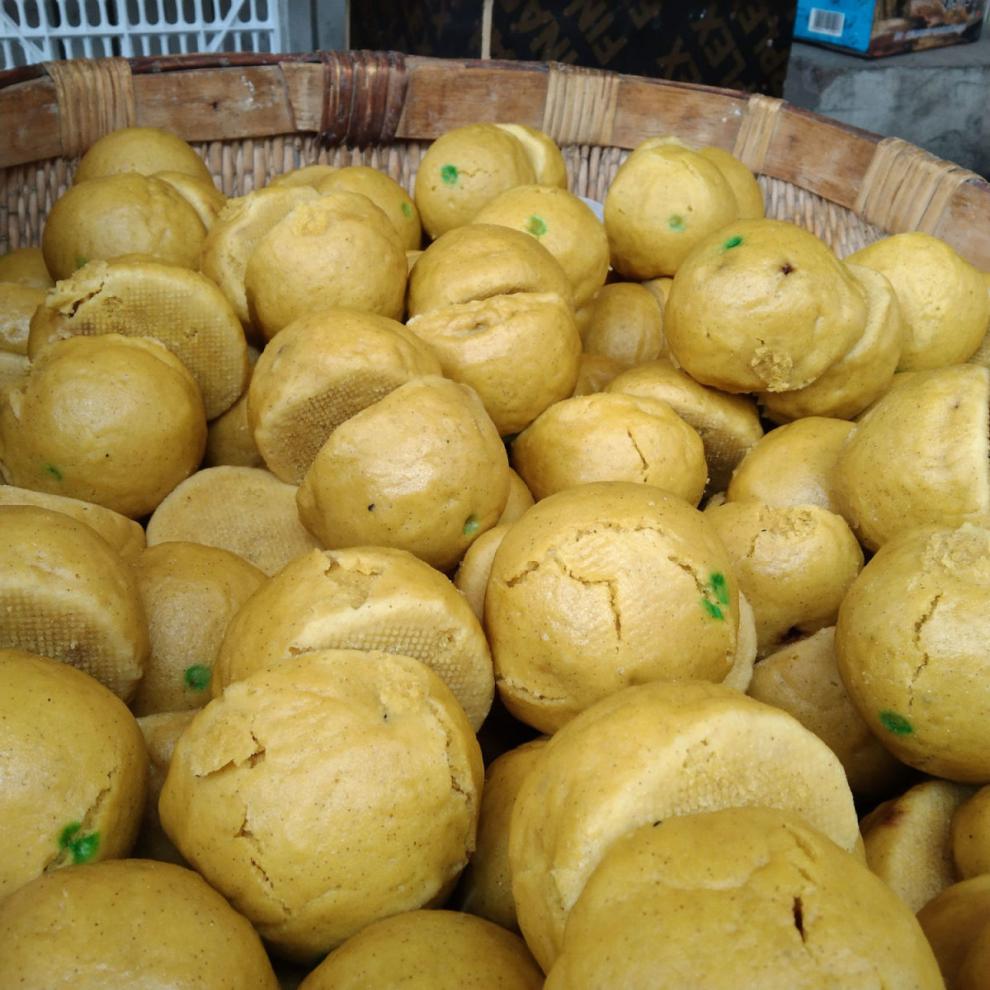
(55, 110)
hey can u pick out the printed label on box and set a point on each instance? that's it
(848, 23)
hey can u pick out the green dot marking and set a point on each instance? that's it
(536, 226)
(53, 471)
(82, 848)
(732, 242)
(197, 677)
(716, 595)
(470, 526)
(449, 174)
(676, 223)
(895, 723)
(406, 210)
(712, 609)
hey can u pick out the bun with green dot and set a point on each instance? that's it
(463, 170)
(911, 645)
(190, 592)
(79, 763)
(564, 225)
(605, 585)
(427, 457)
(385, 193)
(663, 200)
(762, 306)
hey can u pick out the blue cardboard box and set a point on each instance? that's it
(885, 27)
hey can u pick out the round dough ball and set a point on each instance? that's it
(235, 234)
(124, 535)
(762, 305)
(116, 215)
(918, 457)
(429, 950)
(17, 306)
(911, 644)
(663, 201)
(543, 154)
(863, 373)
(563, 224)
(140, 149)
(792, 465)
(74, 769)
(182, 310)
(114, 420)
(463, 170)
(647, 754)
(65, 594)
(803, 680)
(520, 499)
(595, 371)
(794, 564)
(573, 613)
(201, 194)
(377, 756)
(971, 835)
(422, 470)
(742, 182)
(943, 298)
(479, 261)
(366, 599)
(486, 887)
(728, 425)
(25, 266)
(952, 921)
(474, 570)
(385, 193)
(337, 250)
(813, 916)
(625, 323)
(908, 840)
(519, 352)
(611, 437)
(130, 923)
(323, 368)
(190, 593)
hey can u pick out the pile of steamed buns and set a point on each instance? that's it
(290, 502)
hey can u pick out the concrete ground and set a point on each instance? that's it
(937, 99)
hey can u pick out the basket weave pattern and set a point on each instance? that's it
(256, 116)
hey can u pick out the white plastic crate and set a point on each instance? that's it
(45, 30)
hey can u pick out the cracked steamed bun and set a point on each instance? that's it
(602, 586)
(911, 645)
(743, 897)
(650, 753)
(325, 793)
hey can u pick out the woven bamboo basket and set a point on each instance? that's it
(254, 116)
